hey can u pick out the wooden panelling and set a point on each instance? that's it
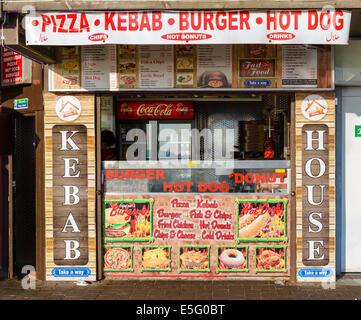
(328, 212)
(55, 214)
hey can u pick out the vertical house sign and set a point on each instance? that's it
(315, 182)
(315, 195)
(70, 187)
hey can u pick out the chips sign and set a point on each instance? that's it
(191, 27)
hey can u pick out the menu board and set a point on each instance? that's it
(16, 69)
(214, 66)
(107, 118)
(172, 235)
(156, 66)
(121, 67)
(128, 66)
(69, 71)
(299, 66)
(185, 66)
(99, 67)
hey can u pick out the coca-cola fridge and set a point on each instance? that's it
(154, 130)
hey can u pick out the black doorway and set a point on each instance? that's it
(24, 191)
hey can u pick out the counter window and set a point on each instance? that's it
(224, 145)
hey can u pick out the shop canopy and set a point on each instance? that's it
(188, 27)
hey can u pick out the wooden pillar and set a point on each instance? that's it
(315, 186)
(70, 187)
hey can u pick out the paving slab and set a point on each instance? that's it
(346, 288)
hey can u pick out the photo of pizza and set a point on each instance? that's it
(118, 259)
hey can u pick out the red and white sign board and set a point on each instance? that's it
(191, 27)
(155, 110)
(16, 69)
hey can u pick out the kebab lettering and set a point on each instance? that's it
(71, 193)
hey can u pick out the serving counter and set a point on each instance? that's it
(190, 219)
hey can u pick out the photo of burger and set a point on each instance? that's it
(128, 220)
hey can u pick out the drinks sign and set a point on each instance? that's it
(155, 110)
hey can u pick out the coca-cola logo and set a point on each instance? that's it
(155, 110)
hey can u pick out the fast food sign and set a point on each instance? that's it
(189, 27)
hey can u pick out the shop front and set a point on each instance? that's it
(190, 144)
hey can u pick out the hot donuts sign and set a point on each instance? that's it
(192, 27)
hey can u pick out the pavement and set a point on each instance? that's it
(346, 288)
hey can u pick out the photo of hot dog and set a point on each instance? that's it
(250, 224)
(261, 219)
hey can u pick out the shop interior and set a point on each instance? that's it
(251, 130)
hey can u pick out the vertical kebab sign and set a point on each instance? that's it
(70, 192)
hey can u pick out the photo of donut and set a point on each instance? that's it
(232, 259)
(194, 258)
(270, 259)
(118, 258)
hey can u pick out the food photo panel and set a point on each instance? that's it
(270, 259)
(261, 220)
(194, 258)
(118, 258)
(128, 220)
(155, 258)
(232, 259)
